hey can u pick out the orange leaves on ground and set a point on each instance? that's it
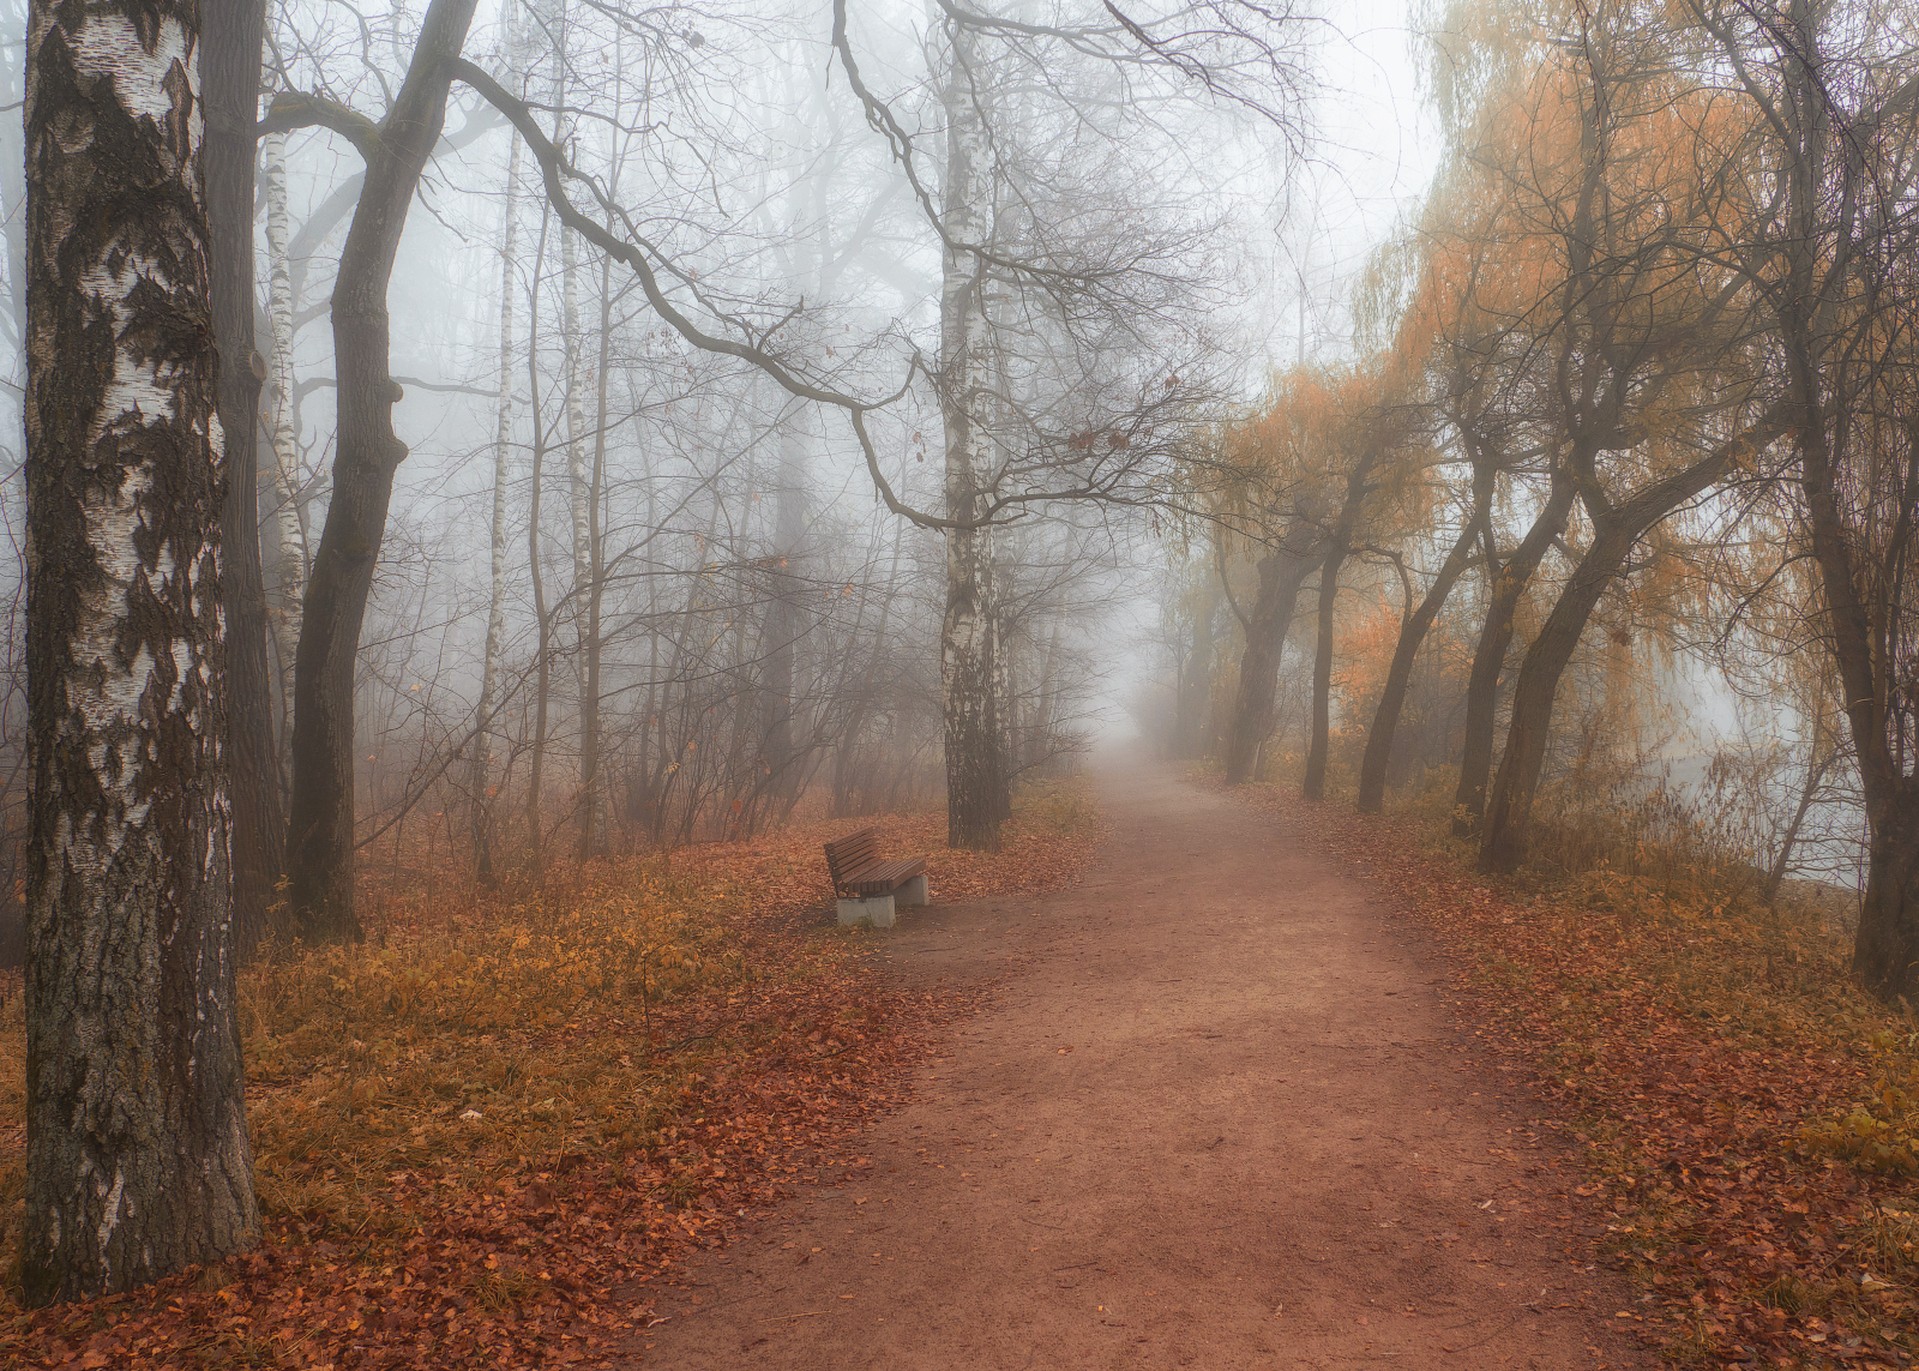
(482, 1135)
(1748, 1116)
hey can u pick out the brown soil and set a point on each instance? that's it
(1217, 1115)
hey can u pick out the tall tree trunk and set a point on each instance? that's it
(320, 840)
(975, 769)
(1282, 575)
(1377, 760)
(1508, 582)
(232, 53)
(779, 751)
(137, 1154)
(536, 578)
(485, 730)
(286, 538)
(1616, 530)
(593, 816)
(1313, 784)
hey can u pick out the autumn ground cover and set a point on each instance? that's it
(1749, 1116)
(481, 1135)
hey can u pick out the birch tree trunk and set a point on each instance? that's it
(975, 768)
(137, 1154)
(286, 540)
(484, 731)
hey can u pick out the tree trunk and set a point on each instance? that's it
(1509, 810)
(1377, 760)
(485, 731)
(137, 1154)
(286, 540)
(1282, 574)
(536, 578)
(232, 53)
(975, 769)
(320, 842)
(1615, 533)
(1818, 761)
(1885, 952)
(593, 817)
(1313, 784)
(780, 753)
(1508, 586)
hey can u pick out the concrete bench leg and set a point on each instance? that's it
(877, 911)
(913, 894)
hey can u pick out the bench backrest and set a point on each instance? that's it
(846, 857)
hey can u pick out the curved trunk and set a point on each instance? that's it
(320, 844)
(1282, 575)
(1374, 763)
(1509, 582)
(1509, 807)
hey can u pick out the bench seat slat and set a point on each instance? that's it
(883, 877)
(858, 872)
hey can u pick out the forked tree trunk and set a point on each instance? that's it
(1377, 759)
(1615, 533)
(1509, 580)
(1339, 547)
(233, 45)
(137, 1155)
(1282, 575)
(320, 845)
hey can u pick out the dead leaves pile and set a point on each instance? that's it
(1712, 1063)
(482, 1136)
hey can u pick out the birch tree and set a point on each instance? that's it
(137, 1154)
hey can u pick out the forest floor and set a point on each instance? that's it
(482, 1135)
(1216, 1112)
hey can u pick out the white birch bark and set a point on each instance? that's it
(137, 1155)
(973, 745)
(287, 535)
(485, 734)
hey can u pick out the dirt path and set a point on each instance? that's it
(1215, 1117)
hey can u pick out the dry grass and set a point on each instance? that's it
(494, 1111)
(1750, 1116)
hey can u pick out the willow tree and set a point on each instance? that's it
(1659, 384)
(137, 1155)
(1830, 95)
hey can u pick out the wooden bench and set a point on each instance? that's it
(869, 889)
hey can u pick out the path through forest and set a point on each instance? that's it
(1216, 1115)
